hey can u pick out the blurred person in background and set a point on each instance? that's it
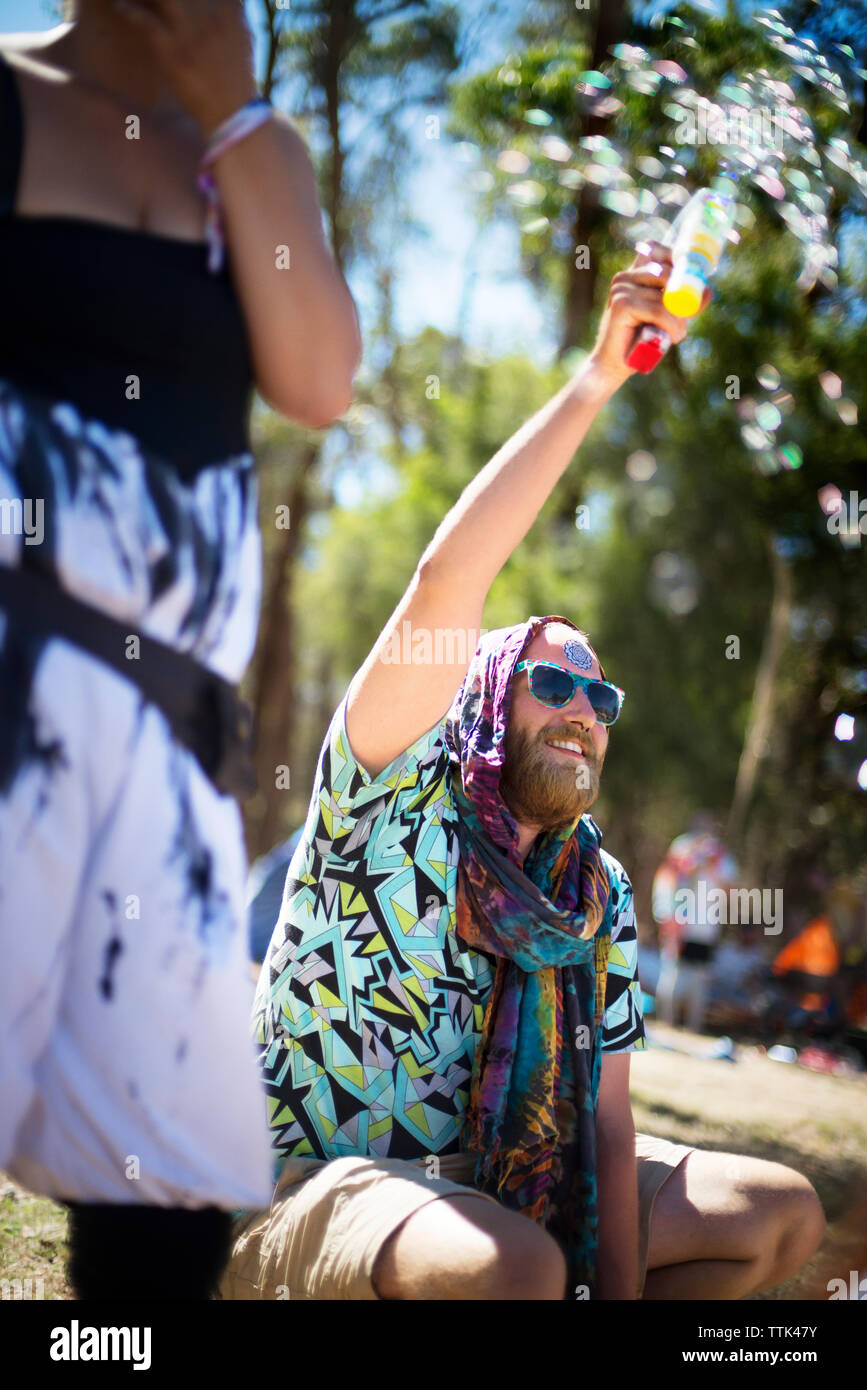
(687, 939)
(739, 969)
(265, 884)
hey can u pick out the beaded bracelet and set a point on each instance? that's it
(244, 121)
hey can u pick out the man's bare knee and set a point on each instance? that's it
(785, 1223)
(462, 1248)
(801, 1226)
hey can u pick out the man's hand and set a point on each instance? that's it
(205, 50)
(635, 298)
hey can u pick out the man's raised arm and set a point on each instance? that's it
(393, 702)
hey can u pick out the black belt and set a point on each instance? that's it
(204, 711)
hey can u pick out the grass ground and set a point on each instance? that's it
(32, 1244)
(816, 1124)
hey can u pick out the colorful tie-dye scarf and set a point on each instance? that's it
(532, 1107)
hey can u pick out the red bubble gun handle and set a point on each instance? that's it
(649, 346)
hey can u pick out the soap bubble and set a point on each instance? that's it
(658, 500)
(771, 185)
(594, 79)
(629, 53)
(768, 417)
(640, 466)
(620, 201)
(766, 462)
(513, 162)
(653, 168)
(643, 81)
(831, 385)
(674, 582)
(527, 193)
(797, 178)
(790, 456)
(768, 377)
(673, 72)
(555, 148)
(844, 728)
(830, 499)
(754, 437)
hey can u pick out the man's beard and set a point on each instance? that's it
(542, 788)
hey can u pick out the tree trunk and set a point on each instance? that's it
(274, 698)
(390, 375)
(340, 18)
(275, 689)
(580, 291)
(761, 712)
(273, 40)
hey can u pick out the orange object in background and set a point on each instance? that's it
(813, 951)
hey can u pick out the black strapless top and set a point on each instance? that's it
(86, 306)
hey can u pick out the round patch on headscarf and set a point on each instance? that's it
(578, 653)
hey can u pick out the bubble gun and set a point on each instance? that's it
(697, 238)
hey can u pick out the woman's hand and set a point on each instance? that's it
(205, 50)
(635, 298)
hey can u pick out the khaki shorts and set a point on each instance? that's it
(329, 1219)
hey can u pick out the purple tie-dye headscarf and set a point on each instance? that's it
(531, 1112)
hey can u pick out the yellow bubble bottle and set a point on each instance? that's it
(697, 237)
(701, 237)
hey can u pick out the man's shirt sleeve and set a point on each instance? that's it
(623, 1022)
(344, 788)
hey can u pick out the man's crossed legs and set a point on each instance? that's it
(712, 1226)
(722, 1227)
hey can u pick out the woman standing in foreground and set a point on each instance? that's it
(129, 594)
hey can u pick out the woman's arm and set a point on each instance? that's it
(391, 703)
(301, 320)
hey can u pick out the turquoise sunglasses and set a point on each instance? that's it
(555, 686)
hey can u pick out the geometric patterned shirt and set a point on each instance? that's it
(369, 1006)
